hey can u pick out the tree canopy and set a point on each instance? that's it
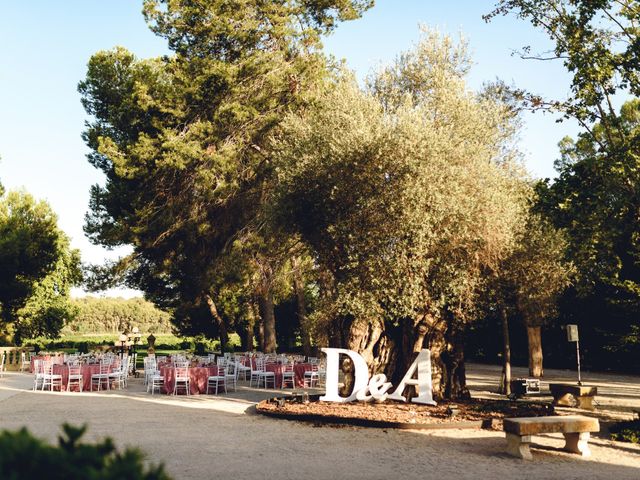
(182, 142)
(37, 269)
(595, 196)
(406, 192)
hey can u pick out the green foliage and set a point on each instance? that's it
(626, 431)
(25, 457)
(103, 315)
(531, 279)
(597, 41)
(595, 197)
(182, 140)
(405, 191)
(37, 269)
(164, 342)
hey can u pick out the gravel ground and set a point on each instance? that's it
(206, 437)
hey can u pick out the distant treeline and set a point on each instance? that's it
(114, 315)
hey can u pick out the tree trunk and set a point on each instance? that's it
(258, 325)
(366, 338)
(265, 302)
(222, 327)
(505, 380)
(248, 337)
(455, 386)
(391, 350)
(298, 286)
(535, 351)
(261, 335)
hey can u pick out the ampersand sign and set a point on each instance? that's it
(378, 387)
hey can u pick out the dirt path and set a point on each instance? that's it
(206, 438)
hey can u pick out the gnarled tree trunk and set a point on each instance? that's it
(455, 385)
(534, 337)
(391, 349)
(369, 339)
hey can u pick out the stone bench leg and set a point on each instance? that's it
(578, 443)
(518, 446)
(585, 402)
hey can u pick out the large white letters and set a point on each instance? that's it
(422, 363)
(376, 389)
(361, 374)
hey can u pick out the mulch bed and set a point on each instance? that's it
(473, 413)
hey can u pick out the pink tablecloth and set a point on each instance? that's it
(298, 372)
(86, 370)
(57, 359)
(197, 379)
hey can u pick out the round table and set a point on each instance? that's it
(85, 370)
(298, 372)
(198, 377)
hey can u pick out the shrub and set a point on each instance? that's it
(201, 347)
(37, 345)
(626, 431)
(83, 347)
(25, 457)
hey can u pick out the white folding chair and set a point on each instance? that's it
(156, 381)
(231, 375)
(101, 377)
(181, 377)
(38, 374)
(311, 377)
(243, 370)
(25, 362)
(214, 381)
(75, 376)
(49, 378)
(264, 376)
(288, 376)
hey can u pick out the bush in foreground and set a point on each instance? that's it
(25, 457)
(626, 431)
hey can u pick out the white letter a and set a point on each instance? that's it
(423, 364)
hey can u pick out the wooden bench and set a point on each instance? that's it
(569, 395)
(576, 429)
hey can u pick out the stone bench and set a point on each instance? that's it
(568, 395)
(576, 429)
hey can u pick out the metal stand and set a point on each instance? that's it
(135, 358)
(578, 356)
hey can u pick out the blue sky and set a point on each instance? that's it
(45, 45)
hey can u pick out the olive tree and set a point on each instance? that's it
(405, 191)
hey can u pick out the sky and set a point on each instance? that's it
(45, 46)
